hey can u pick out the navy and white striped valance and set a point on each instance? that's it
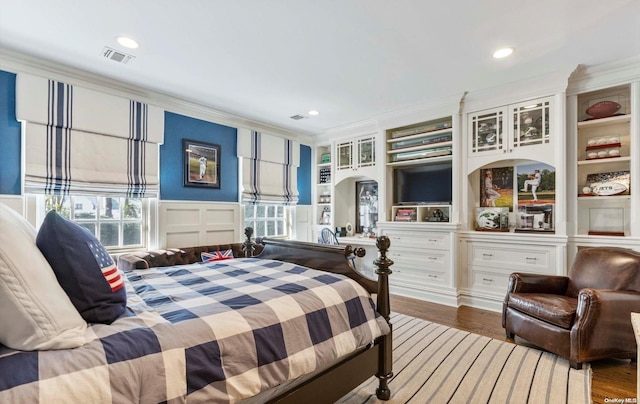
(82, 141)
(49, 102)
(268, 168)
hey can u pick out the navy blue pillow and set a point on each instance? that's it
(83, 268)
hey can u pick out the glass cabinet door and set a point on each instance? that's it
(344, 152)
(366, 152)
(530, 123)
(486, 130)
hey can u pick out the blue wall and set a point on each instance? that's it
(10, 149)
(304, 176)
(176, 128)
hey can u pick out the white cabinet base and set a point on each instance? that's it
(424, 256)
(487, 259)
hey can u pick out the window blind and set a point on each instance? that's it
(268, 166)
(82, 141)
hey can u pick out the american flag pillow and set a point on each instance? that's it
(106, 264)
(216, 255)
(83, 268)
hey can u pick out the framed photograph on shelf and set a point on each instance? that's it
(536, 184)
(366, 206)
(325, 217)
(201, 164)
(496, 187)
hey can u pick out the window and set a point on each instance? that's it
(267, 220)
(118, 222)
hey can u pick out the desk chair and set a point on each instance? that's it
(329, 237)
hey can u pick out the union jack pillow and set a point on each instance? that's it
(216, 255)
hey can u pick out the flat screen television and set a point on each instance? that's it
(424, 184)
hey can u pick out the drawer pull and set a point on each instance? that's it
(530, 258)
(432, 276)
(486, 255)
(431, 240)
(432, 258)
(487, 281)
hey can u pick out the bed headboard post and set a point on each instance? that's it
(385, 369)
(249, 246)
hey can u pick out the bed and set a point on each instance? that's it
(180, 338)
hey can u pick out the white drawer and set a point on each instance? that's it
(438, 241)
(416, 278)
(490, 281)
(430, 260)
(513, 258)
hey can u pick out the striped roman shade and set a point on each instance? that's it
(86, 142)
(268, 166)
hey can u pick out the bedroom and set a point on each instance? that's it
(186, 216)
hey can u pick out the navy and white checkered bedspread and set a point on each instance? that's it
(215, 332)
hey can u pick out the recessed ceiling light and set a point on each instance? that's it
(313, 113)
(127, 42)
(503, 53)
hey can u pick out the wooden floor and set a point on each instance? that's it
(612, 379)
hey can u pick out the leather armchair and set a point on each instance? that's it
(583, 316)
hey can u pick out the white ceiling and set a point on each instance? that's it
(351, 60)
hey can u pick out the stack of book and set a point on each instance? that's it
(325, 175)
(405, 215)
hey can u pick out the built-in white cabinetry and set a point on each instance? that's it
(424, 257)
(489, 263)
(603, 128)
(506, 229)
(420, 170)
(517, 131)
(427, 142)
(343, 159)
(422, 196)
(433, 190)
(355, 157)
(322, 190)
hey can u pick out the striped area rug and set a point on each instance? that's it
(437, 364)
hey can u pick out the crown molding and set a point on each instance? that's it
(400, 117)
(17, 62)
(590, 78)
(518, 91)
(364, 127)
(421, 112)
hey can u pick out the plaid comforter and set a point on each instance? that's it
(216, 332)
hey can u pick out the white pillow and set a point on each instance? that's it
(35, 313)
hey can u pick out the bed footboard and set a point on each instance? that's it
(333, 258)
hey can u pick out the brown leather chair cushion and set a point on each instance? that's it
(555, 309)
(621, 266)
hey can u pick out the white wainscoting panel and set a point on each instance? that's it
(303, 225)
(184, 224)
(14, 202)
(186, 239)
(216, 216)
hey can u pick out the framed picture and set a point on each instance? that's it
(536, 184)
(496, 187)
(366, 206)
(201, 164)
